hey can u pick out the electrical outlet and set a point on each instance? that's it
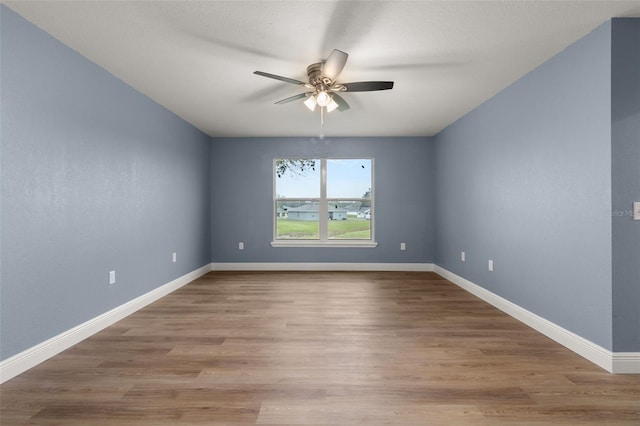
(403, 246)
(174, 257)
(240, 245)
(463, 256)
(112, 277)
(490, 265)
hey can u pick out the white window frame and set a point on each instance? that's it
(323, 211)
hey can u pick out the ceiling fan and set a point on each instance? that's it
(324, 85)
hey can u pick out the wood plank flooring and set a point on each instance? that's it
(325, 348)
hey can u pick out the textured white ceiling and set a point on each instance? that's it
(197, 57)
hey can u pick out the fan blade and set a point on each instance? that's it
(351, 22)
(278, 77)
(368, 86)
(293, 98)
(342, 104)
(334, 64)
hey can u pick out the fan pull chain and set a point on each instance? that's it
(321, 117)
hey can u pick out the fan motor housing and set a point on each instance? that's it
(314, 71)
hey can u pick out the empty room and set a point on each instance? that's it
(319, 212)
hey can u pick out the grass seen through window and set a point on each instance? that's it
(352, 228)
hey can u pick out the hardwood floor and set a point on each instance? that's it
(326, 348)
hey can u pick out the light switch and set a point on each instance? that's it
(636, 210)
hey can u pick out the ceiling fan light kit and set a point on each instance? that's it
(332, 105)
(323, 98)
(323, 83)
(311, 103)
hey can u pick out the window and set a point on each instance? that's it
(323, 202)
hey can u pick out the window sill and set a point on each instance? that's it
(337, 243)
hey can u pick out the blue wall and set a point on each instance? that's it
(95, 177)
(625, 142)
(242, 191)
(525, 180)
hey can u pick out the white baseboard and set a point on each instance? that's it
(621, 362)
(626, 362)
(33, 356)
(321, 266)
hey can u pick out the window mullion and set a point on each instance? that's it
(323, 208)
